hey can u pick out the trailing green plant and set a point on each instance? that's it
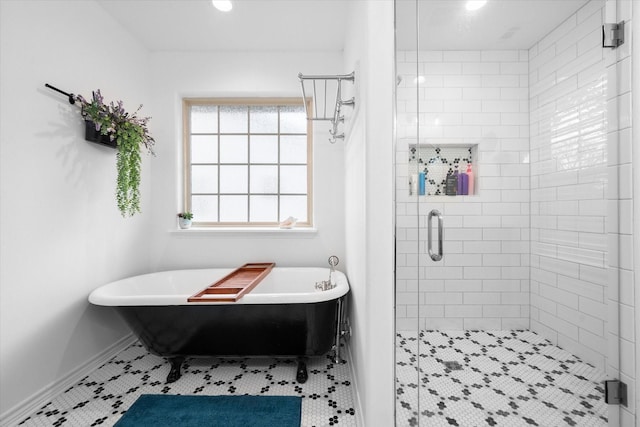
(130, 133)
(185, 215)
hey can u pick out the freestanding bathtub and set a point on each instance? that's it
(284, 315)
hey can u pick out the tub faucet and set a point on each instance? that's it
(325, 285)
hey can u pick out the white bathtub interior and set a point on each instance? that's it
(281, 286)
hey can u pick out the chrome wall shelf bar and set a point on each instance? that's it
(326, 106)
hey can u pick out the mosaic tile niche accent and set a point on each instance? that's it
(437, 163)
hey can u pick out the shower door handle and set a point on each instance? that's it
(435, 256)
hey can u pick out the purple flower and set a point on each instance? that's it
(97, 96)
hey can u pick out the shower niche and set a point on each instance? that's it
(442, 170)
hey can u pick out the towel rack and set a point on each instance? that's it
(326, 107)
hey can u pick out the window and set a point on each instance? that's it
(247, 161)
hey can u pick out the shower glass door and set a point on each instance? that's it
(501, 153)
(409, 221)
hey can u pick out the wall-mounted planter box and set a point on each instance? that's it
(92, 135)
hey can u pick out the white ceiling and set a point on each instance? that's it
(194, 25)
(500, 24)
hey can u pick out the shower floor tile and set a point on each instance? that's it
(507, 378)
(103, 396)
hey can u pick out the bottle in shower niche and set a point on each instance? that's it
(413, 184)
(451, 184)
(463, 184)
(470, 179)
(421, 184)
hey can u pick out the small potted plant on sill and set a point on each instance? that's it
(184, 220)
(129, 132)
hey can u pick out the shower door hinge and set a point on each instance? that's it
(615, 392)
(613, 35)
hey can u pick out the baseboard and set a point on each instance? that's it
(34, 402)
(355, 394)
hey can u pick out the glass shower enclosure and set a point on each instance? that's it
(505, 283)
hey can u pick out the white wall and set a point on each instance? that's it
(569, 185)
(369, 206)
(239, 74)
(62, 235)
(473, 99)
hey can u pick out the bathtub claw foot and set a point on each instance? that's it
(301, 373)
(175, 374)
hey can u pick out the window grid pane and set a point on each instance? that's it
(250, 171)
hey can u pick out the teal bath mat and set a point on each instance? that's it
(160, 410)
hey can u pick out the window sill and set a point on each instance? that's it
(247, 231)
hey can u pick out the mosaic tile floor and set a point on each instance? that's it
(102, 397)
(496, 378)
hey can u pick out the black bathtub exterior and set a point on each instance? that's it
(177, 331)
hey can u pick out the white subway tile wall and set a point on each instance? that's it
(465, 98)
(568, 128)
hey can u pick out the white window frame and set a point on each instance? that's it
(187, 163)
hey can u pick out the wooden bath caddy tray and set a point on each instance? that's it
(234, 285)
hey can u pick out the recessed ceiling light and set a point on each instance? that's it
(222, 5)
(475, 4)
